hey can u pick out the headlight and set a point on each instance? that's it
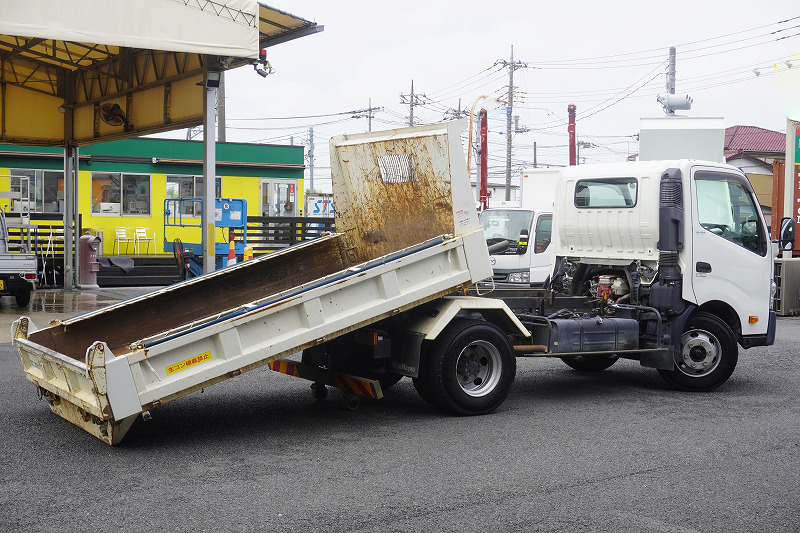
(519, 277)
(773, 289)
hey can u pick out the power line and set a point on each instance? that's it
(662, 48)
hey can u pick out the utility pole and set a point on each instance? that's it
(534, 154)
(573, 149)
(411, 101)
(311, 159)
(672, 101)
(411, 106)
(512, 66)
(671, 72)
(221, 108)
(369, 115)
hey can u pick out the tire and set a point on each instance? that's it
(709, 344)
(590, 363)
(23, 298)
(468, 369)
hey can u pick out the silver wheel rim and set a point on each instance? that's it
(478, 368)
(700, 353)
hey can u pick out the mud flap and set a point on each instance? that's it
(661, 359)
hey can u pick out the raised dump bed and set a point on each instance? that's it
(408, 234)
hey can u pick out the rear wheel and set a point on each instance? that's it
(708, 355)
(23, 298)
(590, 363)
(468, 369)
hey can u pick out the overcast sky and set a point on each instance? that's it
(606, 57)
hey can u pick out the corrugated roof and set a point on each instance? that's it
(753, 139)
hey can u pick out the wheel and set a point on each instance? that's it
(708, 355)
(23, 298)
(468, 369)
(319, 391)
(350, 401)
(590, 363)
(177, 252)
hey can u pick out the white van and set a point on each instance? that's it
(526, 225)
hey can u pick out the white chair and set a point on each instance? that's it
(140, 234)
(120, 236)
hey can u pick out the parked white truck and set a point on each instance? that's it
(18, 269)
(525, 225)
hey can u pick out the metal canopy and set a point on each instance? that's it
(79, 72)
(156, 89)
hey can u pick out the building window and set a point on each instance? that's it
(114, 194)
(189, 187)
(42, 191)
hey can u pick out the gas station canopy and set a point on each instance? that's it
(88, 71)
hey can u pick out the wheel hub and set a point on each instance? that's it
(478, 368)
(700, 353)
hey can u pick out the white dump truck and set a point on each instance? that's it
(664, 262)
(358, 303)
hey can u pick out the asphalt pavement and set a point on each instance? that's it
(616, 451)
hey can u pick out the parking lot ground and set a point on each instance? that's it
(57, 304)
(616, 451)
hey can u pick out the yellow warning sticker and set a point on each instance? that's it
(186, 363)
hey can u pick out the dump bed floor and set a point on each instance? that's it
(187, 302)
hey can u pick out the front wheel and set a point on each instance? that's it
(468, 369)
(708, 355)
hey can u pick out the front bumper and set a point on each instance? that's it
(768, 339)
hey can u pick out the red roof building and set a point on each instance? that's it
(754, 141)
(753, 150)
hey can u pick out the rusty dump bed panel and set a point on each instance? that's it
(408, 233)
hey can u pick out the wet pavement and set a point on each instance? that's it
(57, 304)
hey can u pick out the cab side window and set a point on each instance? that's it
(544, 228)
(726, 209)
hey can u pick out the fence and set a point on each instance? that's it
(46, 238)
(266, 234)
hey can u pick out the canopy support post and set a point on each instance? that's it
(69, 191)
(209, 171)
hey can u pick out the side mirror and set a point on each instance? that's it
(522, 244)
(786, 235)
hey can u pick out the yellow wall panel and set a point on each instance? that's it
(186, 99)
(147, 108)
(5, 186)
(32, 117)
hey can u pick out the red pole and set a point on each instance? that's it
(573, 153)
(484, 193)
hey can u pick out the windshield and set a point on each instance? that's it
(505, 224)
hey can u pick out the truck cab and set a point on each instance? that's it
(681, 247)
(526, 226)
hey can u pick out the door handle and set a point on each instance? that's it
(702, 266)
